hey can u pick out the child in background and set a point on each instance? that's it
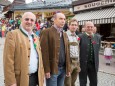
(108, 53)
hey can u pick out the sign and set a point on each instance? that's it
(94, 5)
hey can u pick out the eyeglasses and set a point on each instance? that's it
(27, 19)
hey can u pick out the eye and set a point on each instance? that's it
(32, 20)
(26, 19)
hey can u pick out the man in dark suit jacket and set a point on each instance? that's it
(54, 46)
(89, 55)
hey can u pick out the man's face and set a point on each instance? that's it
(28, 22)
(59, 21)
(89, 27)
(73, 26)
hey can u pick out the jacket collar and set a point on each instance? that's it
(25, 32)
(58, 29)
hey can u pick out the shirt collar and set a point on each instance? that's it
(89, 34)
(58, 29)
(70, 33)
(27, 33)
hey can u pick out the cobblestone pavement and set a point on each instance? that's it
(104, 79)
(106, 75)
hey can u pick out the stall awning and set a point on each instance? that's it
(101, 16)
(4, 12)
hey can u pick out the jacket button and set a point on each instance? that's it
(29, 48)
(28, 56)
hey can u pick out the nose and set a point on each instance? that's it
(63, 21)
(29, 21)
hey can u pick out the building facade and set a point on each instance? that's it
(44, 9)
(100, 12)
(2, 4)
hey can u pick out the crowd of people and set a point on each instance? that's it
(51, 54)
(7, 25)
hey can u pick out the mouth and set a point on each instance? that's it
(28, 25)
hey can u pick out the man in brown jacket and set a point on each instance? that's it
(22, 55)
(54, 46)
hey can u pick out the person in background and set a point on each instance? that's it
(83, 30)
(54, 46)
(65, 28)
(74, 52)
(19, 22)
(108, 53)
(1, 30)
(89, 55)
(22, 56)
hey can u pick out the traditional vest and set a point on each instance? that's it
(91, 51)
(62, 53)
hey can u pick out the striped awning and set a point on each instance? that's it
(101, 16)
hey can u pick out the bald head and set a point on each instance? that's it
(89, 27)
(89, 23)
(59, 20)
(58, 14)
(28, 13)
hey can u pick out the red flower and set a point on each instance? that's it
(78, 39)
(34, 40)
(93, 42)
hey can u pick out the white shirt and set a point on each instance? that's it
(108, 51)
(33, 64)
(74, 50)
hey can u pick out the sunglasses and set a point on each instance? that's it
(27, 19)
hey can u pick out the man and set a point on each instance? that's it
(95, 32)
(89, 55)
(83, 30)
(22, 55)
(54, 46)
(74, 52)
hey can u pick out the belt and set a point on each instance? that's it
(74, 58)
(33, 73)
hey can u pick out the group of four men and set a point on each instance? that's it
(56, 57)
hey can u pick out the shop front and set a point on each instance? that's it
(101, 13)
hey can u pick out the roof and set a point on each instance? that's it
(4, 2)
(44, 5)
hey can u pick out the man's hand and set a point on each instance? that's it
(68, 74)
(48, 75)
(14, 85)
